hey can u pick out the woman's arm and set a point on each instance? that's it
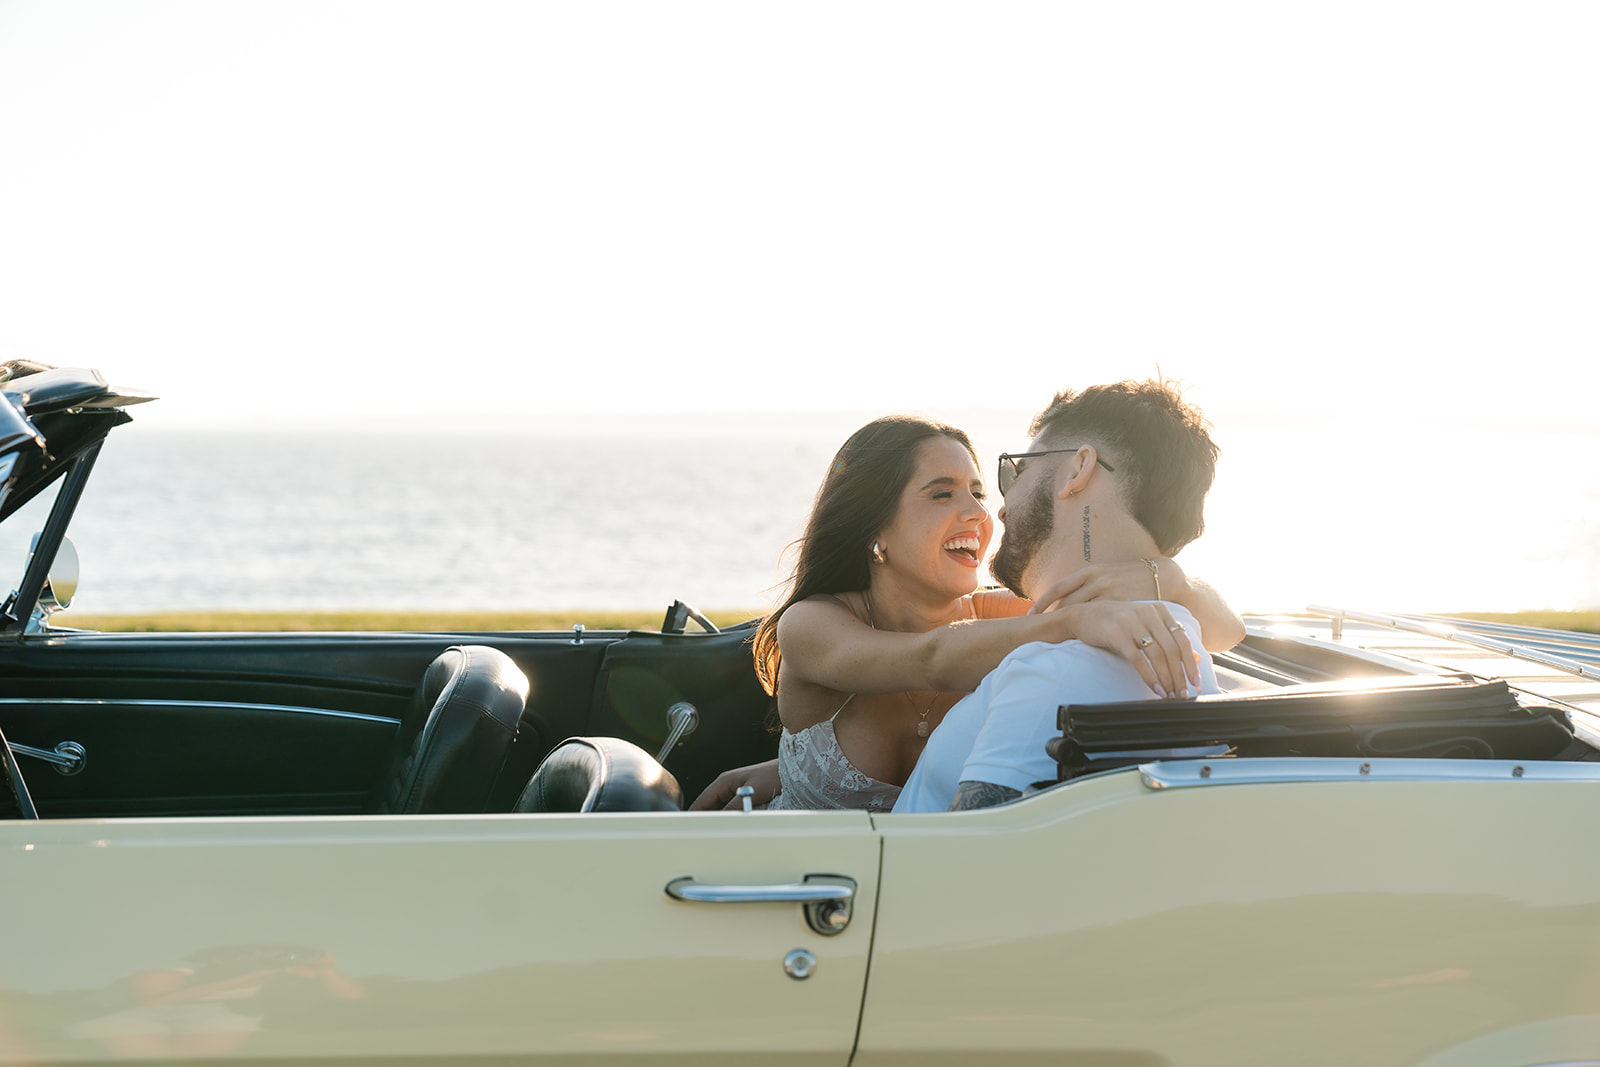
(825, 646)
(1220, 626)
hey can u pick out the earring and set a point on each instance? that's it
(877, 554)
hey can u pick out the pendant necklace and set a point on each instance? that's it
(923, 729)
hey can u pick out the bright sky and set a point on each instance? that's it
(1347, 217)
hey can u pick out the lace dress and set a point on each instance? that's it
(813, 771)
(816, 773)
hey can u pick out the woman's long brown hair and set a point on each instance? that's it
(857, 499)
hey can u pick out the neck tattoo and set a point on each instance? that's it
(1086, 535)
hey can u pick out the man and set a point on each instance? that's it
(1115, 473)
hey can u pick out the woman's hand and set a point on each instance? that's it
(722, 793)
(1131, 580)
(1146, 635)
(1220, 626)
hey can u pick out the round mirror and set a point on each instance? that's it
(62, 585)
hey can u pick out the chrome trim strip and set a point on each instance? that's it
(1388, 660)
(1440, 629)
(1578, 644)
(1184, 774)
(219, 704)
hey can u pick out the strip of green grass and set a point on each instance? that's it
(444, 622)
(1583, 621)
(471, 622)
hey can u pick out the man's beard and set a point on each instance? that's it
(1027, 529)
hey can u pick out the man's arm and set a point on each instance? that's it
(972, 795)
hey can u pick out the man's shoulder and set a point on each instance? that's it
(1054, 653)
(1043, 669)
(1048, 655)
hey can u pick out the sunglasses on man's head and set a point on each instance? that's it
(1011, 465)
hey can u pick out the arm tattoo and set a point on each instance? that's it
(970, 795)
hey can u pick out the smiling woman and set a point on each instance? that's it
(901, 513)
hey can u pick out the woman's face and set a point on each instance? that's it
(941, 530)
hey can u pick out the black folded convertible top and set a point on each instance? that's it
(36, 388)
(1427, 716)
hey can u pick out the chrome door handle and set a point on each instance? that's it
(793, 893)
(827, 898)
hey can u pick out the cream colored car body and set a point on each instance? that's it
(1441, 913)
(1432, 923)
(1446, 924)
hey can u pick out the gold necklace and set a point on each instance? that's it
(923, 729)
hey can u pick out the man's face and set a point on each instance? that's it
(1029, 515)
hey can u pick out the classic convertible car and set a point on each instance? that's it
(1375, 849)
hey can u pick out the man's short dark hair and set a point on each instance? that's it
(1160, 446)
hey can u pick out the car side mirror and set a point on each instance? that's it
(62, 584)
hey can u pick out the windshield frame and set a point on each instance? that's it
(19, 609)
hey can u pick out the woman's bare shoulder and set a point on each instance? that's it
(824, 609)
(998, 604)
(811, 633)
(812, 625)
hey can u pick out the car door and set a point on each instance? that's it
(520, 938)
(180, 724)
(1322, 913)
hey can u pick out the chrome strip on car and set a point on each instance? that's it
(1182, 774)
(1448, 631)
(219, 704)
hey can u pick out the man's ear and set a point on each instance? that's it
(1081, 470)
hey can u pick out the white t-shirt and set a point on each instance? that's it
(997, 733)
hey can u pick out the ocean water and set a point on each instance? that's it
(461, 522)
(573, 513)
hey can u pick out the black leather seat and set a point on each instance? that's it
(454, 740)
(600, 774)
